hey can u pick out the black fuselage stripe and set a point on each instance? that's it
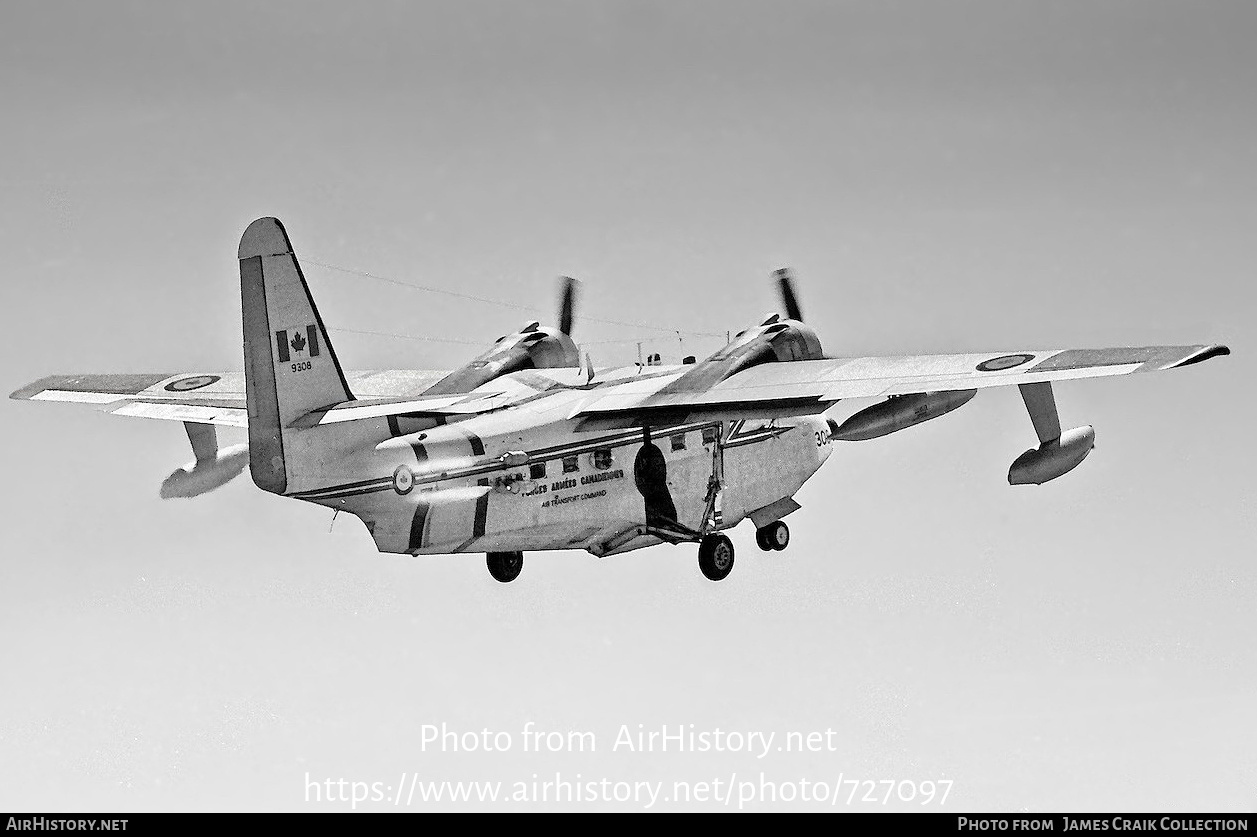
(755, 436)
(379, 484)
(744, 442)
(481, 517)
(340, 494)
(355, 493)
(417, 523)
(348, 485)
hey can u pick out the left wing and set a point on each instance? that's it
(205, 398)
(812, 385)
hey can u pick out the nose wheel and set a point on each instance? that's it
(773, 537)
(505, 566)
(715, 556)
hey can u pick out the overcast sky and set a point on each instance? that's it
(966, 176)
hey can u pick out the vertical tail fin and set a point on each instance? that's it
(290, 367)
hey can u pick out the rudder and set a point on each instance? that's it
(290, 366)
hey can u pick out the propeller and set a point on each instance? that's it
(785, 284)
(567, 304)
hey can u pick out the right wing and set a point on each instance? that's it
(809, 386)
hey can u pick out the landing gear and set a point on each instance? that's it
(715, 556)
(773, 537)
(505, 566)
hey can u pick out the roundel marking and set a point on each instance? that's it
(1002, 362)
(195, 382)
(403, 480)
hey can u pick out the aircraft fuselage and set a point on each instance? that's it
(532, 479)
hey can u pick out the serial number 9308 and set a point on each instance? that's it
(303, 366)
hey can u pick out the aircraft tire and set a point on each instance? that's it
(775, 536)
(715, 556)
(505, 566)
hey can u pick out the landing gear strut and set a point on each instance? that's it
(715, 556)
(774, 536)
(505, 566)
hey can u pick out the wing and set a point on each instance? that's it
(812, 385)
(202, 397)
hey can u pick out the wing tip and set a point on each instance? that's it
(1204, 353)
(32, 389)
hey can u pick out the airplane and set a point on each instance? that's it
(529, 447)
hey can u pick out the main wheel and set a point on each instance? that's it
(715, 556)
(505, 566)
(774, 536)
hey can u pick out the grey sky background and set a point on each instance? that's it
(961, 176)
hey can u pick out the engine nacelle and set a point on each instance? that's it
(533, 347)
(1054, 458)
(204, 475)
(897, 413)
(773, 341)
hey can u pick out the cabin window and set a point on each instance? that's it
(537, 471)
(570, 464)
(678, 441)
(710, 435)
(602, 458)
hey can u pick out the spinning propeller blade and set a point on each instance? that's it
(567, 304)
(785, 284)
